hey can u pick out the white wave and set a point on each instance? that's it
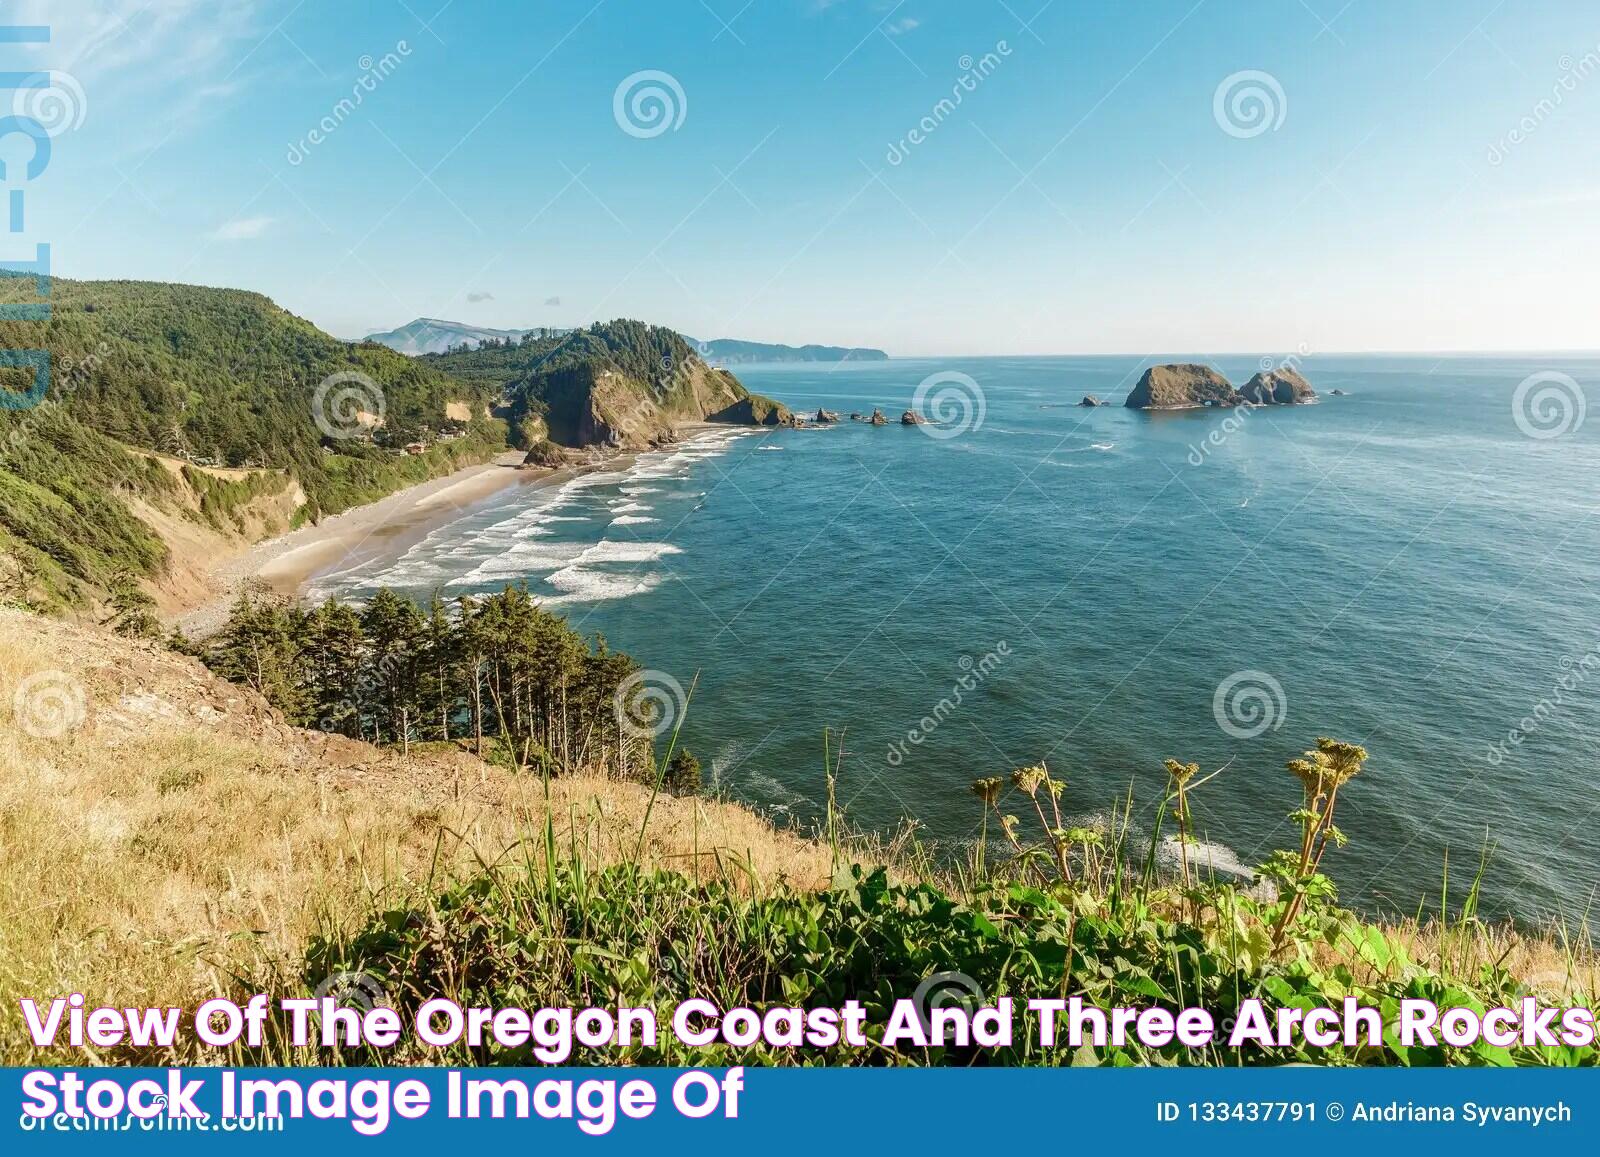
(654, 475)
(525, 559)
(610, 550)
(1205, 856)
(582, 585)
(589, 481)
(632, 520)
(627, 507)
(762, 785)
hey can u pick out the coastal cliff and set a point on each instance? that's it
(621, 383)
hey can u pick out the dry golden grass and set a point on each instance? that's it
(1559, 963)
(180, 833)
(162, 832)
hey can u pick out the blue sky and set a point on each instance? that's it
(1088, 194)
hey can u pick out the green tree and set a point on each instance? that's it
(130, 610)
(441, 677)
(260, 647)
(394, 631)
(683, 773)
(335, 667)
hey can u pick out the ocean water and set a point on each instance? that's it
(1405, 566)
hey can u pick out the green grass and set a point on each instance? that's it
(626, 937)
(1086, 913)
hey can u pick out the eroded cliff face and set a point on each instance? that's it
(596, 405)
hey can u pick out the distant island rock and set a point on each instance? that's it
(1283, 387)
(826, 416)
(1187, 386)
(877, 418)
(912, 418)
(1183, 386)
(1091, 400)
(1337, 393)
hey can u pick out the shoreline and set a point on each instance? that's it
(387, 528)
(288, 562)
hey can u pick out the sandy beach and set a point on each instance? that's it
(381, 530)
(364, 533)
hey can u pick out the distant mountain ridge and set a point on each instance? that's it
(432, 335)
(727, 351)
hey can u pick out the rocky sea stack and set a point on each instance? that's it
(1091, 400)
(754, 410)
(547, 454)
(878, 419)
(1183, 386)
(1282, 387)
(1187, 386)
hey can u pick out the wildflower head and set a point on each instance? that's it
(1029, 779)
(1331, 765)
(988, 790)
(1344, 759)
(1311, 772)
(1182, 773)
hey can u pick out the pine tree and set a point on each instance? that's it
(471, 652)
(335, 664)
(130, 609)
(441, 680)
(392, 673)
(259, 648)
(393, 627)
(683, 773)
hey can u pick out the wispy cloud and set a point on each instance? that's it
(241, 229)
(552, 301)
(902, 26)
(475, 298)
(96, 38)
(184, 56)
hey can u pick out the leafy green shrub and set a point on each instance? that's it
(1076, 914)
(627, 937)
